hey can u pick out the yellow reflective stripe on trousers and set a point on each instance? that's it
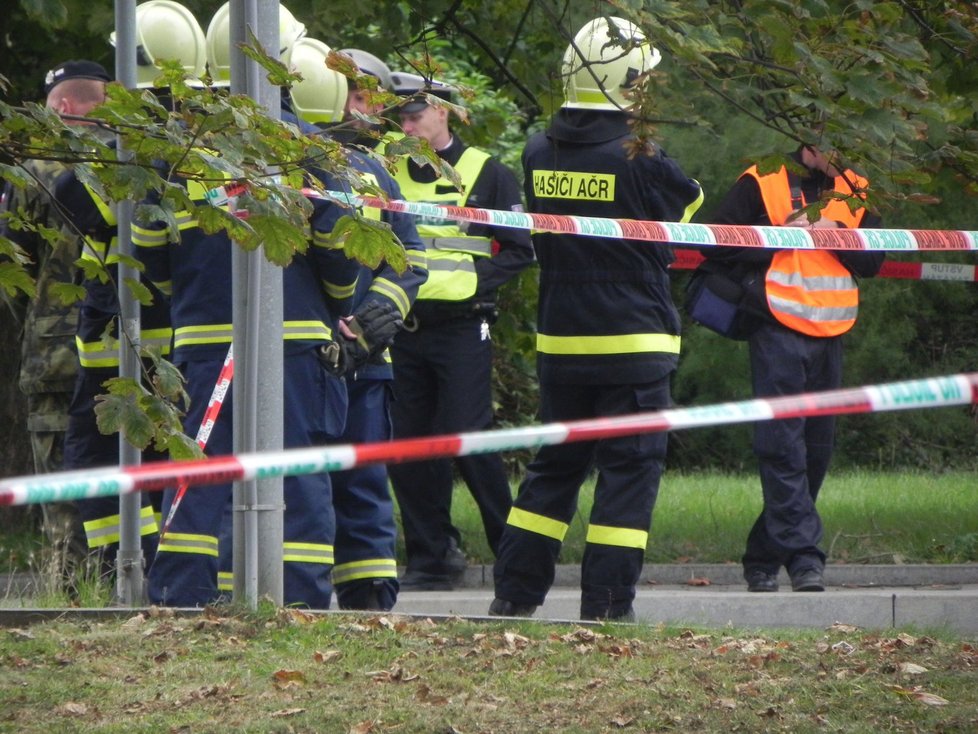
(534, 523)
(373, 568)
(105, 353)
(205, 545)
(105, 530)
(225, 580)
(307, 553)
(621, 537)
(609, 344)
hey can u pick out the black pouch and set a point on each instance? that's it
(715, 299)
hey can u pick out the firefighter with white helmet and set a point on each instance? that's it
(166, 30)
(218, 40)
(320, 97)
(607, 330)
(600, 66)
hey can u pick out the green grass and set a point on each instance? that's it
(282, 671)
(868, 517)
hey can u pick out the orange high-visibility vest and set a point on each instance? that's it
(810, 291)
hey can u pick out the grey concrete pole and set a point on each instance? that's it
(257, 334)
(129, 561)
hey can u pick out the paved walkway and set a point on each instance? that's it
(925, 598)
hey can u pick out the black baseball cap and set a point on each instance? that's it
(415, 87)
(75, 69)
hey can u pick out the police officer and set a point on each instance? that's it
(795, 346)
(608, 333)
(48, 359)
(443, 361)
(365, 572)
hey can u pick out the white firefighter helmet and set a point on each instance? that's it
(601, 65)
(290, 30)
(166, 30)
(321, 95)
(370, 64)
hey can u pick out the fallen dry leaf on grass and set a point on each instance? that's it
(698, 581)
(327, 657)
(289, 676)
(921, 696)
(282, 713)
(911, 668)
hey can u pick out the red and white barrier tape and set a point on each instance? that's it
(206, 426)
(690, 259)
(933, 392)
(888, 240)
(676, 233)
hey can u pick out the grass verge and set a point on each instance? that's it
(869, 517)
(288, 671)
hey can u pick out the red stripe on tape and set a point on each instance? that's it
(408, 449)
(161, 474)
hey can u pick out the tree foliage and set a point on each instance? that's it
(889, 84)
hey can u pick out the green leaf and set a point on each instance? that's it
(121, 413)
(279, 239)
(68, 293)
(180, 446)
(139, 291)
(369, 242)
(14, 278)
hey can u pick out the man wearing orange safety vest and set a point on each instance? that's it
(805, 301)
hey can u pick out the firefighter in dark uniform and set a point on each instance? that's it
(443, 361)
(795, 346)
(608, 332)
(365, 571)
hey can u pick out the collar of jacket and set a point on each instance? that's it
(592, 126)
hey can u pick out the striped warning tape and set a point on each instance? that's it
(689, 259)
(676, 233)
(802, 238)
(934, 392)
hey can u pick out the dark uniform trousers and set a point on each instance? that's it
(186, 567)
(365, 574)
(443, 384)
(794, 453)
(86, 447)
(629, 469)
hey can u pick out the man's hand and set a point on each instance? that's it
(363, 336)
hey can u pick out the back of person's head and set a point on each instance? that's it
(74, 87)
(321, 95)
(604, 63)
(218, 41)
(166, 30)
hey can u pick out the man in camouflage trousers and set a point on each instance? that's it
(48, 360)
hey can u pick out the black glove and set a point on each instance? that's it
(375, 325)
(362, 337)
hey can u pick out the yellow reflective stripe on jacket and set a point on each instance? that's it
(339, 292)
(186, 336)
(293, 552)
(609, 344)
(620, 537)
(105, 530)
(693, 206)
(142, 237)
(392, 291)
(574, 185)
(451, 277)
(475, 246)
(372, 568)
(98, 251)
(104, 208)
(539, 524)
(105, 352)
(204, 545)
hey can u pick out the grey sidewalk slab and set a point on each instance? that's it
(953, 609)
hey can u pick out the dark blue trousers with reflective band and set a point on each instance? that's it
(793, 454)
(629, 469)
(185, 572)
(85, 448)
(443, 384)
(365, 573)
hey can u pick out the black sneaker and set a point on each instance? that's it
(421, 581)
(503, 608)
(808, 580)
(626, 616)
(762, 581)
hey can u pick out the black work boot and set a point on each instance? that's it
(504, 608)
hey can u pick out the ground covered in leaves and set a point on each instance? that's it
(288, 671)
